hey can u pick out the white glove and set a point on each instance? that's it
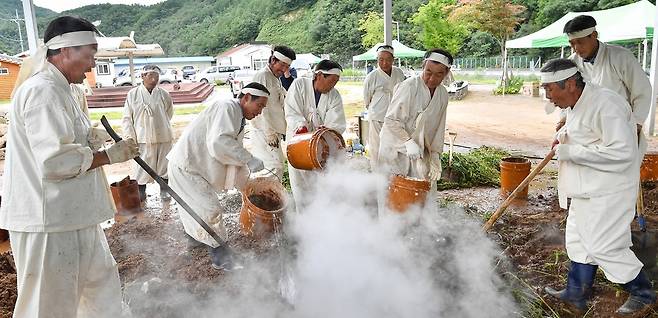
(435, 166)
(413, 150)
(123, 150)
(97, 138)
(272, 139)
(255, 165)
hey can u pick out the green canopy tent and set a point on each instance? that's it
(630, 22)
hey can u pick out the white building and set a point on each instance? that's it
(249, 55)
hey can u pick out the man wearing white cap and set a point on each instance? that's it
(377, 92)
(414, 127)
(610, 66)
(270, 127)
(147, 115)
(209, 158)
(55, 194)
(312, 103)
(599, 171)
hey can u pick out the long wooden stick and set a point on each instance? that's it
(518, 189)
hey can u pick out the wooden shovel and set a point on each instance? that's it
(518, 189)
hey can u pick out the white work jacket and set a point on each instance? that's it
(301, 109)
(598, 153)
(212, 142)
(378, 90)
(616, 69)
(147, 116)
(272, 120)
(47, 187)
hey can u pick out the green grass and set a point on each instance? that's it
(478, 167)
(114, 115)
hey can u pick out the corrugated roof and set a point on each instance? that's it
(10, 59)
(156, 60)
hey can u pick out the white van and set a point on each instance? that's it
(215, 74)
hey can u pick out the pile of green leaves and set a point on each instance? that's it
(478, 167)
(514, 86)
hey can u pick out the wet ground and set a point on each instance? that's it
(161, 274)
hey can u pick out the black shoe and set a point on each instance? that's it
(642, 297)
(142, 192)
(579, 286)
(221, 258)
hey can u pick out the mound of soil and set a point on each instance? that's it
(8, 292)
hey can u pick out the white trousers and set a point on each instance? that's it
(155, 155)
(65, 274)
(598, 232)
(272, 157)
(203, 200)
(374, 128)
(301, 183)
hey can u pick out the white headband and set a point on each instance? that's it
(552, 77)
(581, 33)
(438, 57)
(150, 71)
(333, 71)
(37, 62)
(254, 92)
(282, 57)
(385, 49)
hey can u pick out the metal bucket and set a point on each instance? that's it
(311, 151)
(404, 192)
(126, 196)
(263, 206)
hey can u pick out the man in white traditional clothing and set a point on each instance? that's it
(147, 115)
(610, 66)
(209, 158)
(270, 127)
(378, 90)
(414, 126)
(599, 171)
(312, 103)
(55, 194)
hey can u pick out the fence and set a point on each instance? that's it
(522, 61)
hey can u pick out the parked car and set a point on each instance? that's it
(188, 71)
(215, 74)
(239, 79)
(167, 76)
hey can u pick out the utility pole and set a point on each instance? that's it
(20, 33)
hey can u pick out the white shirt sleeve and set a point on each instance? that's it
(222, 139)
(294, 105)
(639, 87)
(128, 121)
(335, 116)
(51, 136)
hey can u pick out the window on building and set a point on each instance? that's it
(103, 69)
(259, 63)
(4, 71)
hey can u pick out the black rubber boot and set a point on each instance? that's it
(142, 192)
(642, 297)
(221, 258)
(163, 193)
(579, 286)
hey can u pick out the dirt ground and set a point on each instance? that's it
(154, 261)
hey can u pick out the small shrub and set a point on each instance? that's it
(478, 167)
(514, 86)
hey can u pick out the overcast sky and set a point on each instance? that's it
(63, 5)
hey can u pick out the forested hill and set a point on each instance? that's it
(208, 27)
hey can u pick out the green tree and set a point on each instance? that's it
(436, 29)
(497, 17)
(372, 26)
